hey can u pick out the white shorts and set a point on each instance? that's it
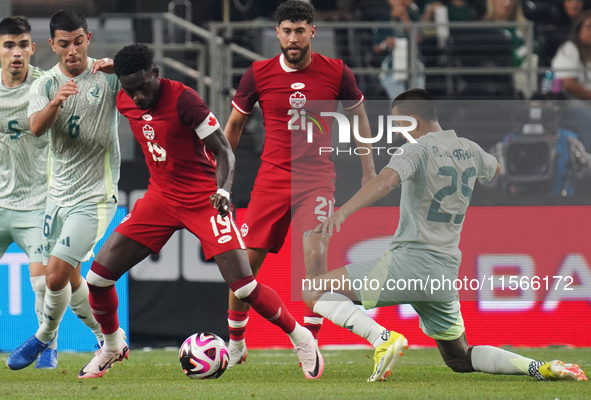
(70, 233)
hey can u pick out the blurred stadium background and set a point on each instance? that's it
(517, 227)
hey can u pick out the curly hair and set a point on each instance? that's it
(294, 11)
(67, 20)
(133, 58)
(14, 26)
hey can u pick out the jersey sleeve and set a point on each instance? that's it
(349, 93)
(113, 83)
(246, 96)
(411, 162)
(194, 113)
(39, 95)
(486, 164)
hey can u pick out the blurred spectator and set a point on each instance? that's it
(573, 59)
(560, 18)
(457, 10)
(571, 10)
(393, 45)
(333, 10)
(509, 10)
(572, 65)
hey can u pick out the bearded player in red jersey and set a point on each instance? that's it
(191, 169)
(290, 183)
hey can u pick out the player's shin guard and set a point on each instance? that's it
(55, 304)
(80, 305)
(313, 322)
(493, 360)
(343, 312)
(264, 301)
(237, 321)
(103, 297)
(39, 286)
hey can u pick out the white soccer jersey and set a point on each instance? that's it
(438, 175)
(23, 157)
(83, 140)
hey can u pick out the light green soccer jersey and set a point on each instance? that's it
(23, 157)
(83, 140)
(438, 175)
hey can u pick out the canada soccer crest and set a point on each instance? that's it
(149, 132)
(244, 230)
(297, 100)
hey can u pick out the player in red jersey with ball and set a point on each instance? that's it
(191, 169)
(294, 179)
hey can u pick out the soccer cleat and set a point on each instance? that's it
(559, 370)
(47, 359)
(310, 358)
(386, 355)
(102, 361)
(26, 353)
(238, 354)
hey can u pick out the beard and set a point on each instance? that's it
(295, 59)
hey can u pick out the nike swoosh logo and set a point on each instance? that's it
(317, 366)
(103, 367)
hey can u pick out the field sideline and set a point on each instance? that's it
(274, 374)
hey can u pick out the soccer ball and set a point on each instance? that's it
(204, 356)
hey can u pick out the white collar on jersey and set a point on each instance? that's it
(284, 65)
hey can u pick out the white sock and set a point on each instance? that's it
(113, 341)
(343, 312)
(238, 344)
(493, 360)
(299, 334)
(39, 286)
(80, 305)
(54, 307)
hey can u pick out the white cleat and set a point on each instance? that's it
(311, 360)
(237, 353)
(102, 361)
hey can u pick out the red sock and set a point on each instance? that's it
(267, 303)
(103, 300)
(313, 322)
(237, 324)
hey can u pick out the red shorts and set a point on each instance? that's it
(271, 210)
(154, 219)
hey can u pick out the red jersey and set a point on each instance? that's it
(181, 167)
(282, 93)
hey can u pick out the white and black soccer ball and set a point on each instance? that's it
(204, 356)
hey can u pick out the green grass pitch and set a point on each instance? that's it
(274, 374)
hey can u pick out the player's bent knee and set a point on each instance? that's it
(244, 291)
(456, 354)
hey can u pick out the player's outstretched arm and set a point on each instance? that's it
(233, 129)
(224, 170)
(366, 156)
(41, 121)
(374, 190)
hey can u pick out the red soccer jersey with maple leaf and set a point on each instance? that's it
(181, 167)
(283, 93)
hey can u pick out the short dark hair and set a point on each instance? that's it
(14, 26)
(67, 20)
(133, 58)
(416, 102)
(294, 11)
